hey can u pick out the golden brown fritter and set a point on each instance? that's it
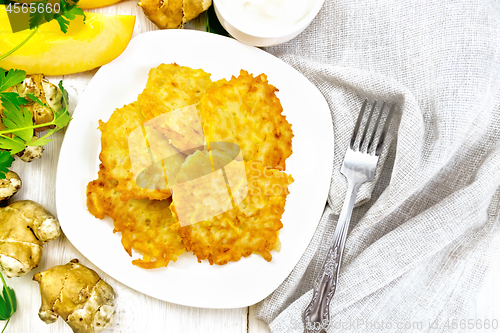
(115, 155)
(252, 226)
(144, 224)
(200, 191)
(246, 111)
(228, 203)
(182, 127)
(171, 87)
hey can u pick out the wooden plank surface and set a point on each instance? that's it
(135, 311)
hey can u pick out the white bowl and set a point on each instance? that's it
(253, 34)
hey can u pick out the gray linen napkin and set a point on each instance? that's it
(423, 234)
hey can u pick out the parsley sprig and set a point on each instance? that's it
(69, 11)
(61, 118)
(18, 121)
(8, 303)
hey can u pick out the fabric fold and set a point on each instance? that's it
(424, 231)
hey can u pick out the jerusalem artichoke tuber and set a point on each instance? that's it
(24, 227)
(78, 295)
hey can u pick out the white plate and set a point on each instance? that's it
(186, 281)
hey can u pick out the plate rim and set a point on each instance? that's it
(65, 148)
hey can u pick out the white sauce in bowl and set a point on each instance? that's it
(263, 17)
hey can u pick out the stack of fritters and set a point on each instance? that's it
(244, 111)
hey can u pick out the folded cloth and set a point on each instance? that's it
(423, 234)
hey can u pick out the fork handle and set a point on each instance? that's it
(317, 314)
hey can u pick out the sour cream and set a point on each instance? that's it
(265, 17)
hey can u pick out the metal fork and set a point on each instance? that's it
(360, 162)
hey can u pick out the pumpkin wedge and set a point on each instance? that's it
(86, 45)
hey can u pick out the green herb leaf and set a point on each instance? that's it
(73, 12)
(63, 23)
(65, 93)
(18, 122)
(67, 13)
(37, 18)
(67, 16)
(11, 78)
(35, 99)
(8, 303)
(12, 100)
(6, 160)
(43, 140)
(62, 118)
(13, 145)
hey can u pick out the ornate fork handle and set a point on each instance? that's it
(317, 313)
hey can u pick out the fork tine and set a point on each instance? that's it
(374, 131)
(358, 123)
(367, 125)
(385, 129)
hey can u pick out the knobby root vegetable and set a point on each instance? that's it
(24, 227)
(9, 186)
(78, 295)
(172, 14)
(46, 92)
